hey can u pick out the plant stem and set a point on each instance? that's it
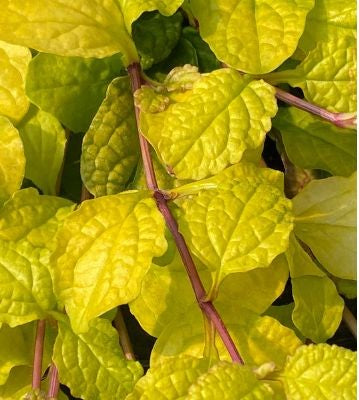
(342, 120)
(350, 321)
(54, 384)
(206, 306)
(38, 352)
(85, 194)
(123, 335)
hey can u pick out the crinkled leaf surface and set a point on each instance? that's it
(327, 75)
(92, 364)
(12, 159)
(238, 226)
(132, 9)
(318, 307)
(155, 36)
(110, 149)
(254, 36)
(85, 28)
(44, 141)
(320, 372)
(258, 339)
(225, 109)
(326, 221)
(312, 143)
(14, 61)
(328, 20)
(71, 88)
(28, 224)
(104, 250)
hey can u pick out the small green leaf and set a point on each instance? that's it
(104, 250)
(211, 111)
(327, 75)
(312, 143)
(14, 61)
(320, 372)
(258, 339)
(327, 21)
(44, 142)
(254, 36)
(110, 149)
(71, 88)
(238, 226)
(12, 160)
(84, 29)
(182, 78)
(92, 364)
(155, 36)
(326, 221)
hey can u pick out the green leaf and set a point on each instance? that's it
(28, 224)
(258, 339)
(326, 221)
(170, 380)
(312, 143)
(104, 250)
(207, 61)
(327, 75)
(71, 88)
(212, 111)
(12, 160)
(327, 21)
(238, 226)
(14, 61)
(254, 36)
(17, 385)
(318, 307)
(346, 287)
(320, 372)
(134, 8)
(110, 149)
(92, 364)
(84, 29)
(44, 142)
(155, 36)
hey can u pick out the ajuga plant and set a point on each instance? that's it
(134, 175)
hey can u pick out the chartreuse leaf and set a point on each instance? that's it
(12, 160)
(18, 384)
(104, 250)
(110, 149)
(14, 61)
(312, 143)
(258, 339)
(84, 29)
(237, 226)
(326, 221)
(254, 36)
(318, 307)
(44, 141)
(132, 9)
(327, 21)
(92, 364)
(320, 372)
(327, 75)
(28, 224)
(346, 287)
(155, 36)
(71, 88)
(231, 111)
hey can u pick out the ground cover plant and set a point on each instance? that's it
(189, 165)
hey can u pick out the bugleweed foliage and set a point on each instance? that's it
(172, 101)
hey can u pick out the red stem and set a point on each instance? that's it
(38, 352)
(54, 384)
(206, 306)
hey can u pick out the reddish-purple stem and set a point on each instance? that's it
(54, 383)
(38, 352)
(206, 306)
(341, 120)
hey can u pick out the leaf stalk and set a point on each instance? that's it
(54, 384)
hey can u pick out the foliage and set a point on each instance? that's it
(71, 75)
